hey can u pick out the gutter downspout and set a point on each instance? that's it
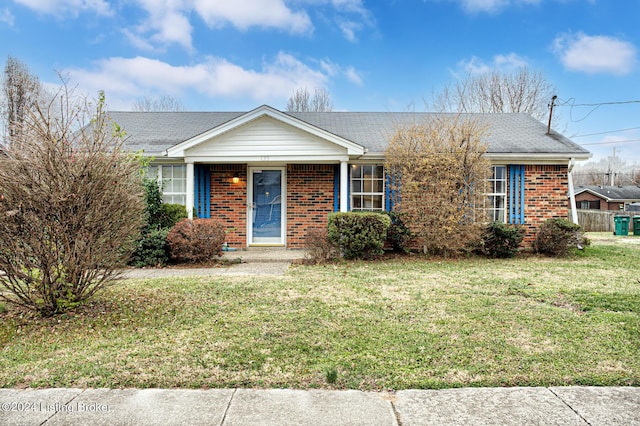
(572, 195)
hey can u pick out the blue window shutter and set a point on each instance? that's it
(202, 189)
(516, 194)
(388, 201)
(392, 192)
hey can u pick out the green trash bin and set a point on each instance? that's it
(622, 225)
(636, 226)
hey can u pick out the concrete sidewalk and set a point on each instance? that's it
(470, 406)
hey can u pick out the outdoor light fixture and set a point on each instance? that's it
(236, 179)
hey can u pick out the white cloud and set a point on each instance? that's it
(6, 17)
(353, 17)
(595, 54)
(332, 69)
(168, 21)
(166, 24)
(253, 13)
(125, 79)
(492, 6)
(349, 29)
(504, 63)
(353, 76)
(67, 7)
(349, 16)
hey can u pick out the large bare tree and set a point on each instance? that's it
(70, 206)
(439, 169)
(496, 91)
(20, 91)
(162, 103)
(303, 101)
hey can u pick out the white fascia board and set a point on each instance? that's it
(515, 158)
(264, 111)
(167, 160)
(502, 158)
(268, 159)
(372, 156)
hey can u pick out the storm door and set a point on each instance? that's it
(265, 206)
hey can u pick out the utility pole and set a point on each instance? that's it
(613, 165)
(551, 105)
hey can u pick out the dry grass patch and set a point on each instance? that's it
(397, 324)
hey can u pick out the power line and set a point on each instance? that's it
(604, 133)
(571, 103)
(601, 103)
(609, 143)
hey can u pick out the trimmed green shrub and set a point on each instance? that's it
(198, 240)
(151, 249)
(358, 235)
(153, 198)
(501, 240)
(556, 237)
(172, 214)
(399, 235)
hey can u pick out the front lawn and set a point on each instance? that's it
(397, 324)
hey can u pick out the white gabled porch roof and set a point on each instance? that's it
(217, 144)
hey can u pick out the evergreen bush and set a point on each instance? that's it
(172, 214)
(151, 249)
(556, 237)
(358, 235)
(501, 240)
(399, 235)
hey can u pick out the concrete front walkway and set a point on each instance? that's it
(577, 406)
(255, 261)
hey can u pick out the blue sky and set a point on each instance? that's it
(370, 55)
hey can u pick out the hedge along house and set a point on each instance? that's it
(270, 176)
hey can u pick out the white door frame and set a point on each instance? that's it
(283, 206)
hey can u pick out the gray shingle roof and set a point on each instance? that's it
(154, 132)
(612, 193)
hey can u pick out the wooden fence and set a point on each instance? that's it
(602, 220)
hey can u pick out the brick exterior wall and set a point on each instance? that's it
(546, 192)
(229, 201)
(309, 199)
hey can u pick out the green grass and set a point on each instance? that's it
(397, 324)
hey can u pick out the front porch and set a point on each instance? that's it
(268, 206)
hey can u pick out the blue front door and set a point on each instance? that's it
(266, 206)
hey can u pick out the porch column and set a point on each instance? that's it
(190, 190)
(344, 186)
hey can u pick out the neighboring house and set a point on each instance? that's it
(270, 176)
(619, 198)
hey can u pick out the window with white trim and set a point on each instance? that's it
(367, 187)
(173, 178)
(496, 208)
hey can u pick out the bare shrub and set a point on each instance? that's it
(319, 248)
(197, 240)
(439, 169)
(70, 206)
